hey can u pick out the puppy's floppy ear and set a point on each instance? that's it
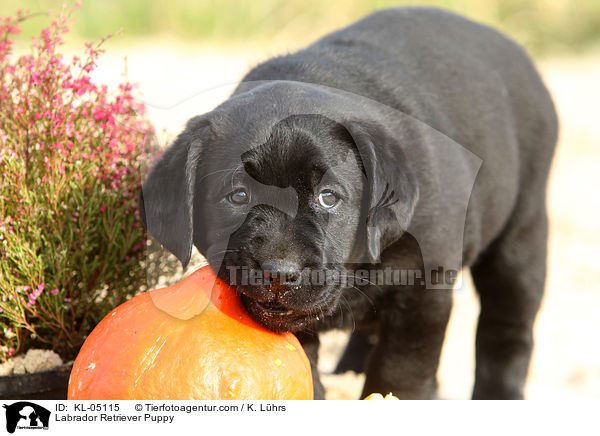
(167, 195)
(391, 190)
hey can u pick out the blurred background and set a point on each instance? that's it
(187, 55)
(544, 26)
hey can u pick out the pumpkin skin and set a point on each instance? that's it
(192, 340)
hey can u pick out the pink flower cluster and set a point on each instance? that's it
(35, 293)
(62, 110)
(65, 121)
(70, 158)
(60, 106)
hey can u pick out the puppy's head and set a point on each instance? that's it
(279, 215)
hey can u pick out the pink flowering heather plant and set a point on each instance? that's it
(71, 240)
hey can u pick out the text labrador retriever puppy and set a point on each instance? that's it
(346, 184)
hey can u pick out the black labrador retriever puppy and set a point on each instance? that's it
(345, 185)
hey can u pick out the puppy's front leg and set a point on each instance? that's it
(412, 328)
(310, 343)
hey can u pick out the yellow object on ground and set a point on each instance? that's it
(381, 397)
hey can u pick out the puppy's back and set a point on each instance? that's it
(435, 65)
(461, 78)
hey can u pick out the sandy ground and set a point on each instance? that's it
(178, 82)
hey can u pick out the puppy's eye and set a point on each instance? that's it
(327, 199)
(238, 197)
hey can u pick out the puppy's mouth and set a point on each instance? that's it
(275, 316)
(275, 308)
(271, 308)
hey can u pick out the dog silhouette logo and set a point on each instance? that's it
(26, 415)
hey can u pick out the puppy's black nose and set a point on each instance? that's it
(281, 271)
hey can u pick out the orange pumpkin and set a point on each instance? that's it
(192, 340)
